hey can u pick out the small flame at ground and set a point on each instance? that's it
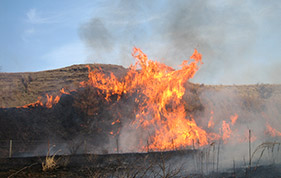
(211, 123)
(48, 101)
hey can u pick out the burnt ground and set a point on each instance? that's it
(155, 164)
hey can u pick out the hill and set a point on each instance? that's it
(18, 89)
(84, 115)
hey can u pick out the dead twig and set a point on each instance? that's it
(26, 167)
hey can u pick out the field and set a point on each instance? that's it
(83, 132)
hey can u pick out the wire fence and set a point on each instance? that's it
(19, 148)
(27, 148)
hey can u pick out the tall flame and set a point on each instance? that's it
(159, 89)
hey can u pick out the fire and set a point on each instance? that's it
(211, 123)
(272, 132)
(114, 122)
(159, 111)
(37, 103)
(49, 101)
(226, 131)
(233, 119)
(62, 91)
(160, 108)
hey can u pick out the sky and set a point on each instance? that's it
(240, 40)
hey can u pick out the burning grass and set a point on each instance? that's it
(157, 105)
(148, 108)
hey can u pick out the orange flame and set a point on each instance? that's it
(272, 132)
(49, 103)
(161, 112)
(211, 123)
(226, 131)
(62, 91)
(114, 122)
(159, 89)
(37, 103)
(233, 119)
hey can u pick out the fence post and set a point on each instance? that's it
(10, 150)
(85, 147)
(250, 153)
(117, 144)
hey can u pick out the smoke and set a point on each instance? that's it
(96, 36)
(256, 106)
(233, 36)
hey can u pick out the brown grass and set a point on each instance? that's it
(50, 162)
(18, 89)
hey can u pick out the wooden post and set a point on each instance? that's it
(85, 146)
(214, 155)
(193, 147)
(10, 150)
(48, 146)
(117, 144)
(234, 172)
(173, 145)
(218, 155)
(250, 159)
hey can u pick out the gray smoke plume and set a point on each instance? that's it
(229, 34)
(96, 35)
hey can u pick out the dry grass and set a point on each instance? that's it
(267, 146)
(50, 162)
(22, 88)
(18, 89)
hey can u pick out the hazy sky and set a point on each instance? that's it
(240, 40)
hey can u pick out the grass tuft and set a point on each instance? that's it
(50, 162)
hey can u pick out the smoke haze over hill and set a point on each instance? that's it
(239, 40)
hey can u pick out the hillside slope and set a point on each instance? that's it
(18, 89)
